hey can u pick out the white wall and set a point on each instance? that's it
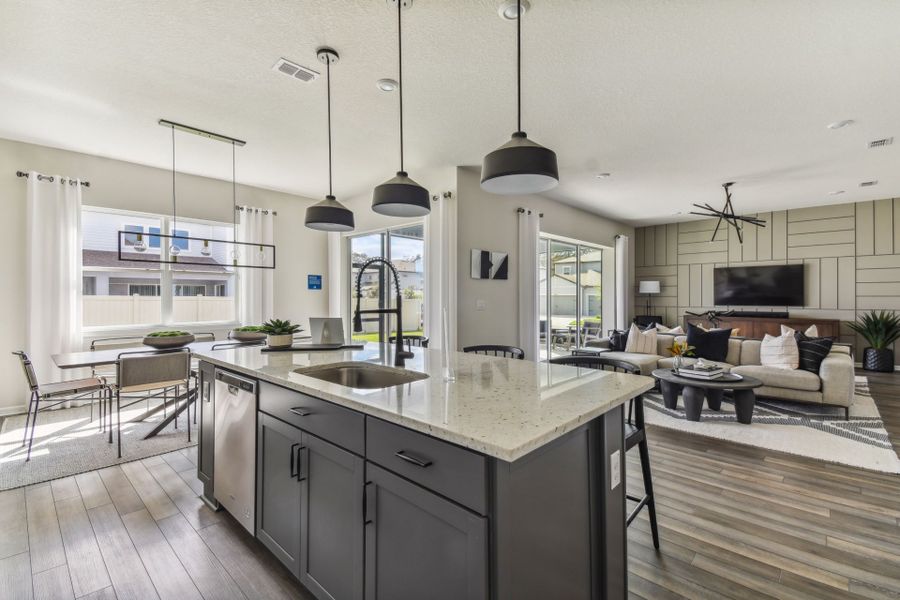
(489, 222)
(122, 185)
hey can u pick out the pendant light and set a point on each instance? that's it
(329, 214)
(174, 250)
(400, 196)
(520, 166)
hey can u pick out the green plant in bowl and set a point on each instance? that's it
(167, 334)
(168, 339)
(248, 333)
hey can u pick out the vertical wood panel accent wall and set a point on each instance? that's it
(851, 254)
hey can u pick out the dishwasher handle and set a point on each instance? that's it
(235, 383)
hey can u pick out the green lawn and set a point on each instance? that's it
(373, 337)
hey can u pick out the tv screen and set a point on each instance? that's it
(779, 285)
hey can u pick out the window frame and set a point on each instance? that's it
(166, 277)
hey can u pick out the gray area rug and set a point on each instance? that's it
(66, 443)
(811, 430)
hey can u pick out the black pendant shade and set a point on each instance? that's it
(400, 196)
(329, 215)
(520, 166)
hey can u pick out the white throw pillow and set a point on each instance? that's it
(811, 331)
(670, 330)
(780, 352)
(641, 342)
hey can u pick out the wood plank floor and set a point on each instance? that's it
(740, 522)
(133, 531)
(736, 522)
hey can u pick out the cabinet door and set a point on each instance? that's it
(206, 439)
(278, 490)
(331, 528)
(419, 545)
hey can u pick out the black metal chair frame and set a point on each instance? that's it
(635, 433)
(34, 402)
(496, 350)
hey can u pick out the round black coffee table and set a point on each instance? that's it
(693, 391)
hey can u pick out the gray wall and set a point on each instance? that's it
(851, 254)
(489, 222)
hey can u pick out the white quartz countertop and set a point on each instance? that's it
(501, 407)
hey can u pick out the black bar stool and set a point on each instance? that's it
(635, 432)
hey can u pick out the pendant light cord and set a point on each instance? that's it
(233, 197)
(174, 206)
(519, 65)
(400, 74)
(328, 82)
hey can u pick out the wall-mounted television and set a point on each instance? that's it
(776, 285)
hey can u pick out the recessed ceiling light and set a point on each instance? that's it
(840, 124)
(509, 9)
(602, 175)
(387, 85)
(836, 193)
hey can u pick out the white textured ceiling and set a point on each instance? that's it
(672, 97)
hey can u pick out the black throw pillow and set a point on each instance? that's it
(711, 345)
(812, 351)
(618, 340)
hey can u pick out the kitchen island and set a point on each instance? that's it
(505, 482)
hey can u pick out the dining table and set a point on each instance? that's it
(110, 356)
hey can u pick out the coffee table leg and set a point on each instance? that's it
(670, 393)
(744, 401)
(714, 399)
(693, 402)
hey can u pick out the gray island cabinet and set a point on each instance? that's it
(359, 507)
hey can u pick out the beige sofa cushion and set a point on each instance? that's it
(663, 343)
(646, 362)
(750, 352)
(782, 378)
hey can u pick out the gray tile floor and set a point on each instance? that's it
(131, 531)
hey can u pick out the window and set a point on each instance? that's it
(121, 294)
(405, 247)
(570, 303)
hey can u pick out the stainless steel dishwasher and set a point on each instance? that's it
(234, 466)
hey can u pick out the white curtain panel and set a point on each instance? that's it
(256, 288)
(529, 234)
(53, 271)
(623, 282)
(440, 274)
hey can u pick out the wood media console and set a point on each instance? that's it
(755, 327)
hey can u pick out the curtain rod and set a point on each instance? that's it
(50, 178)
(264, 211)
(521, 210)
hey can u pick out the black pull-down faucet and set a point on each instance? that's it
(400, 355)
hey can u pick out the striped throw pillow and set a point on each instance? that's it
(813, 351)
(641, 342)
(780, 352)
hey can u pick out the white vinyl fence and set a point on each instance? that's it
(140, 310)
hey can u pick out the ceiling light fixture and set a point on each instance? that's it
(509, 9)
(387, 85)
(869, 183)
(520, 166)
(602, 175)
(840, 124)
(400, 196)
(836, 193)
(329, 214)
(727, 213)
(174, 250)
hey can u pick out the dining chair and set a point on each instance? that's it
(496, 350)
(59, 392)
(153, 373)
(419, 341)
(635, 432)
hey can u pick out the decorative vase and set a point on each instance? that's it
(677, 363)
(881, 360)
(284, 340)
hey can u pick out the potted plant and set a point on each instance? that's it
(280, 333)
(248, 333)
(679, 350)
(880, 329)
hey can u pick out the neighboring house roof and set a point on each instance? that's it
(110, 258)
(592, 256)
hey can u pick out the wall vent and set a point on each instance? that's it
(292, 69)
(869, 183)
(881, 143)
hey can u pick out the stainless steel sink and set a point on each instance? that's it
(361, 375)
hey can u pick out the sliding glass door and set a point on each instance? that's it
(405, 247)
(569, 275)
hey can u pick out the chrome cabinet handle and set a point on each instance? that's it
(369, 505)
(302, 462)
(293, 459)
(300, 411)
(402, 455)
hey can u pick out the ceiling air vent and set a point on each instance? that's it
(294, 70)
(881, 143)
(869, 183)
